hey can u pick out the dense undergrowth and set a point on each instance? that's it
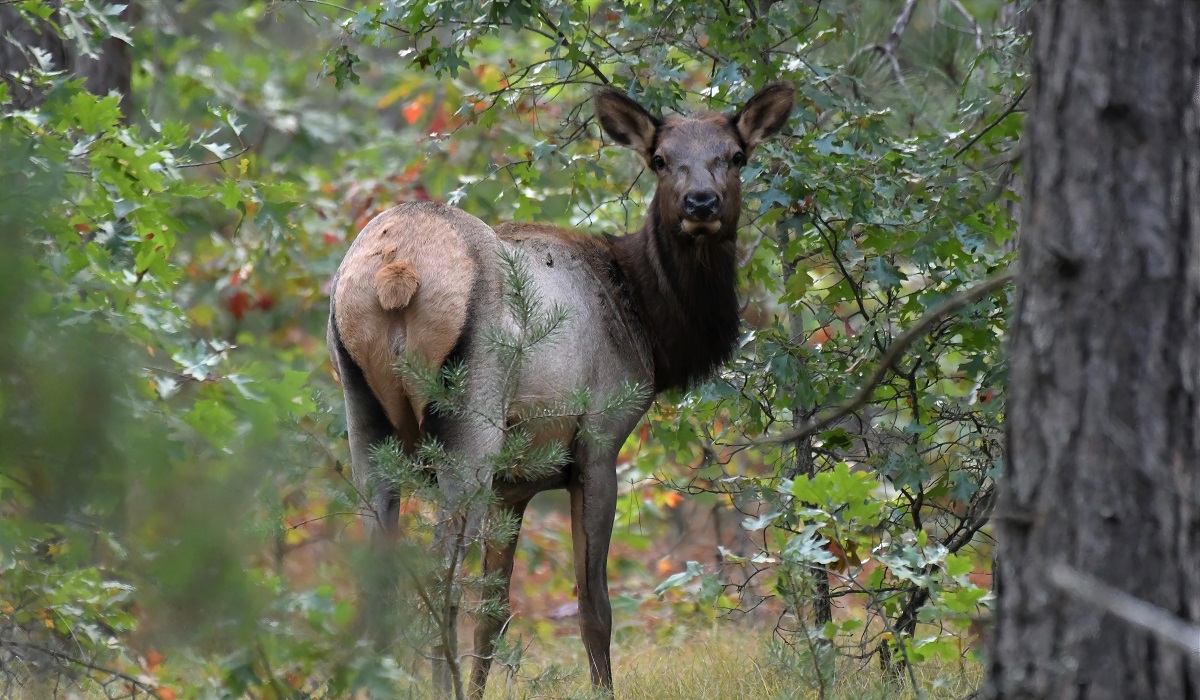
(175, 514)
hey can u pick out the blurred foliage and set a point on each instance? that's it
(171, 478)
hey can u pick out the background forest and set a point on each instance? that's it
(178, 520)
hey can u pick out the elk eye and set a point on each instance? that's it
(658, 162)
(739, 159)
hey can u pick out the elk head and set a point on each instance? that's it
(697, 159)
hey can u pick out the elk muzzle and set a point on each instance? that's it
(701, 205)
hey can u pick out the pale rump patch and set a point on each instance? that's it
(403, 290)
(396, 284)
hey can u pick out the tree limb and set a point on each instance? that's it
(962, 10)
(218, 161)
(1168, 628)
(897, 34)
(65, 657)
(894, 351)
(545, 17)
(1011, 108)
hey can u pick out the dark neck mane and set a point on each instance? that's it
(684, 291)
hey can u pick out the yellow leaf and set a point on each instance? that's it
(490, 77)
(202, 315)
(392, 97)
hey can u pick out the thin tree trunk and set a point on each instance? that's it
(1104, 404)
(110, 71)
(803, 463)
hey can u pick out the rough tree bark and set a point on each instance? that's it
(110, 70)
(1104, 407)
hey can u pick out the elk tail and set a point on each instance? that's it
(395, 283)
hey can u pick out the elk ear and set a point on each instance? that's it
(765, 114)
(625, 121)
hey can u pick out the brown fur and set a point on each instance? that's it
(678, 300)
(686, 297)
(655, 306)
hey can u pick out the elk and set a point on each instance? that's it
(657, 307)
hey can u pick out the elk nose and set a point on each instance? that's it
(701, 206)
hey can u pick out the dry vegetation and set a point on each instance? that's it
(725, 661)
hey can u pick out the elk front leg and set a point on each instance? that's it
(498, 558)
(593, 489)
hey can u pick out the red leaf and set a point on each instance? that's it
(439, 121)
(413, 111)
(238, 303)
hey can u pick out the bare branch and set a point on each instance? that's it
(62, 656)
(962, 10)
(1011, 108)
(218, 161)
(874, 603)
(545, 17)
(897, 34)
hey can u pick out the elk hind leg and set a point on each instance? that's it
(368, 427)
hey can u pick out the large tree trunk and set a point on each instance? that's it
(1104, 408)
(110, 71)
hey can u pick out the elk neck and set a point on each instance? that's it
(683, 289)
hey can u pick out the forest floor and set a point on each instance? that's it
(726, 661)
